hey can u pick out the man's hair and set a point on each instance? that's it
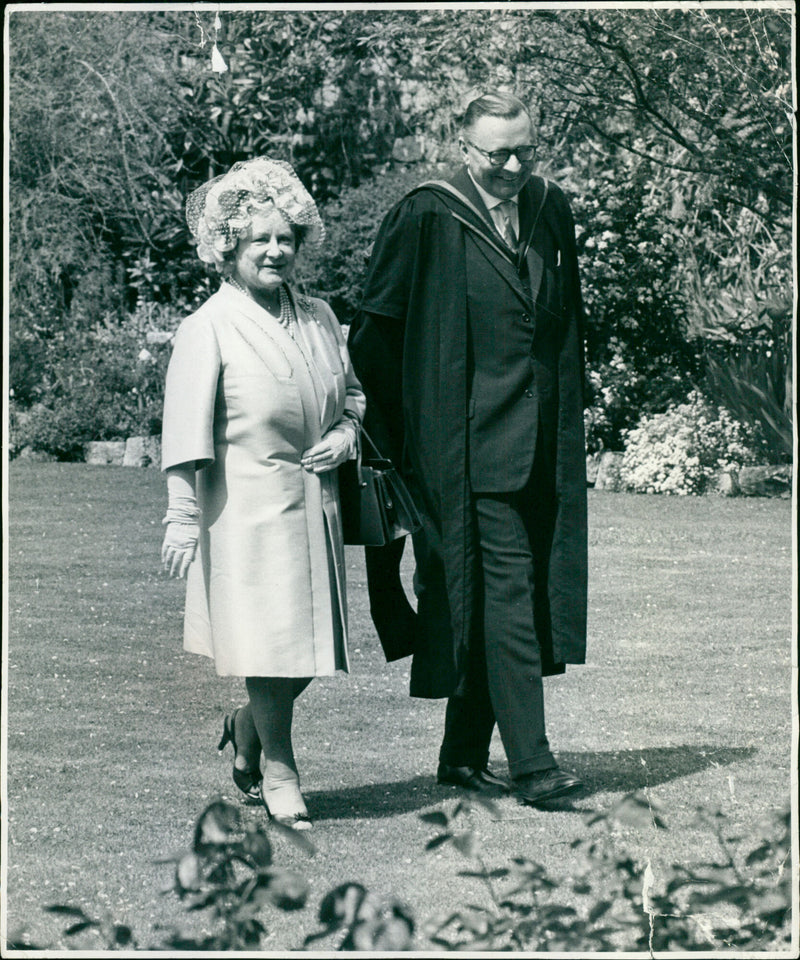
(494, 103)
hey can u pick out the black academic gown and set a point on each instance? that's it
(409, 346)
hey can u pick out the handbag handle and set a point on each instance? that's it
(372, 443)
(361, 481)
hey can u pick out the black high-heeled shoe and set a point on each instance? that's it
(248, 781)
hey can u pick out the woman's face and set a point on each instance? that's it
(264, 258)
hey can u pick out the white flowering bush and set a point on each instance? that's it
(682, 450)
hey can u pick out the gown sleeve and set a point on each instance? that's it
(376, 342)
(392, 264)
(190, 395)
(377, 334)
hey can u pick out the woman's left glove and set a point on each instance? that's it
(180, 540)
(338, 445)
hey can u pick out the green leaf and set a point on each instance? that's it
(636, 811)
(288, 890)
(296, 837)
(216, 825)
(497, 874)
(599, 909)
(557, 911)
(257, 847)
(123, 935)
(438, 841)
(438, 818)
(66, 910)
(466, 844)
(759, 855)
(188, 873)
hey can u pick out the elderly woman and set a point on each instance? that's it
(261, 405)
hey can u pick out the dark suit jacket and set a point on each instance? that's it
(514, 324)
(410, 346)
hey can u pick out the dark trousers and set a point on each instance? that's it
(505, 671)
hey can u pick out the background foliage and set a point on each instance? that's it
(670, 130)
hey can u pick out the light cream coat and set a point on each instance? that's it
(243, 400)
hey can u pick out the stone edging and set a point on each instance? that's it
(133, 452)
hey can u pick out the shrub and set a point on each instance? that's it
(615, 901)
(742, 899)
(352, 223)
(101, 383)
(230, 872)
(756, 386)
(637, 351)
(60, 429)
(682, 450)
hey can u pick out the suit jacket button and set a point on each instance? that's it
(528, 393)
(527, 319)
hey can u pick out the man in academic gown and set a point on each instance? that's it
(469, 347)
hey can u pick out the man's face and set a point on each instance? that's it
(498, 133)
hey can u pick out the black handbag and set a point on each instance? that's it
(376, 506)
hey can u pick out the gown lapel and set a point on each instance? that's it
(507, 264)
(531, 204)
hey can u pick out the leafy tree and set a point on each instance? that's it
(299, 86)
(705, 93)
(669, 129)
(95, 138)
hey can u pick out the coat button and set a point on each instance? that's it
(528, 393)
(527, 319)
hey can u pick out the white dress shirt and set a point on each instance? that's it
(496, 213)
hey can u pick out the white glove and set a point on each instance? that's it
(180, 539)
(180, 545)
(338, 445)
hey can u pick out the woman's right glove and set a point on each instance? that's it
(180, 539)
(340, 443)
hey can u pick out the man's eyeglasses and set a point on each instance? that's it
(499, 158)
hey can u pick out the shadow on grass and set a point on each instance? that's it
(629, 770)
(610, 771)
(373, 800)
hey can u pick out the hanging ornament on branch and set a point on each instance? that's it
(218, 64)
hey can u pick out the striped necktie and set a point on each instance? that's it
(506, 208)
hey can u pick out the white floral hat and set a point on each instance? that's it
(219, 212)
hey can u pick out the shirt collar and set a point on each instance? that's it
(487, 198)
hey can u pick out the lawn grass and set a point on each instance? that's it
(112, 728)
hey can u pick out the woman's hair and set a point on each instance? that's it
(494, 103)
(220, 212)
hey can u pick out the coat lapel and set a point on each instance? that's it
(462, 181)
(321, 358)
(478, 221)
(255, 326)
(505, 263)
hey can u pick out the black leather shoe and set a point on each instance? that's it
(545, 785)
(471, 778)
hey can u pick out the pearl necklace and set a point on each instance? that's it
(286, 318)
(286, 313)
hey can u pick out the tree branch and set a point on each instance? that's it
(125, 164)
